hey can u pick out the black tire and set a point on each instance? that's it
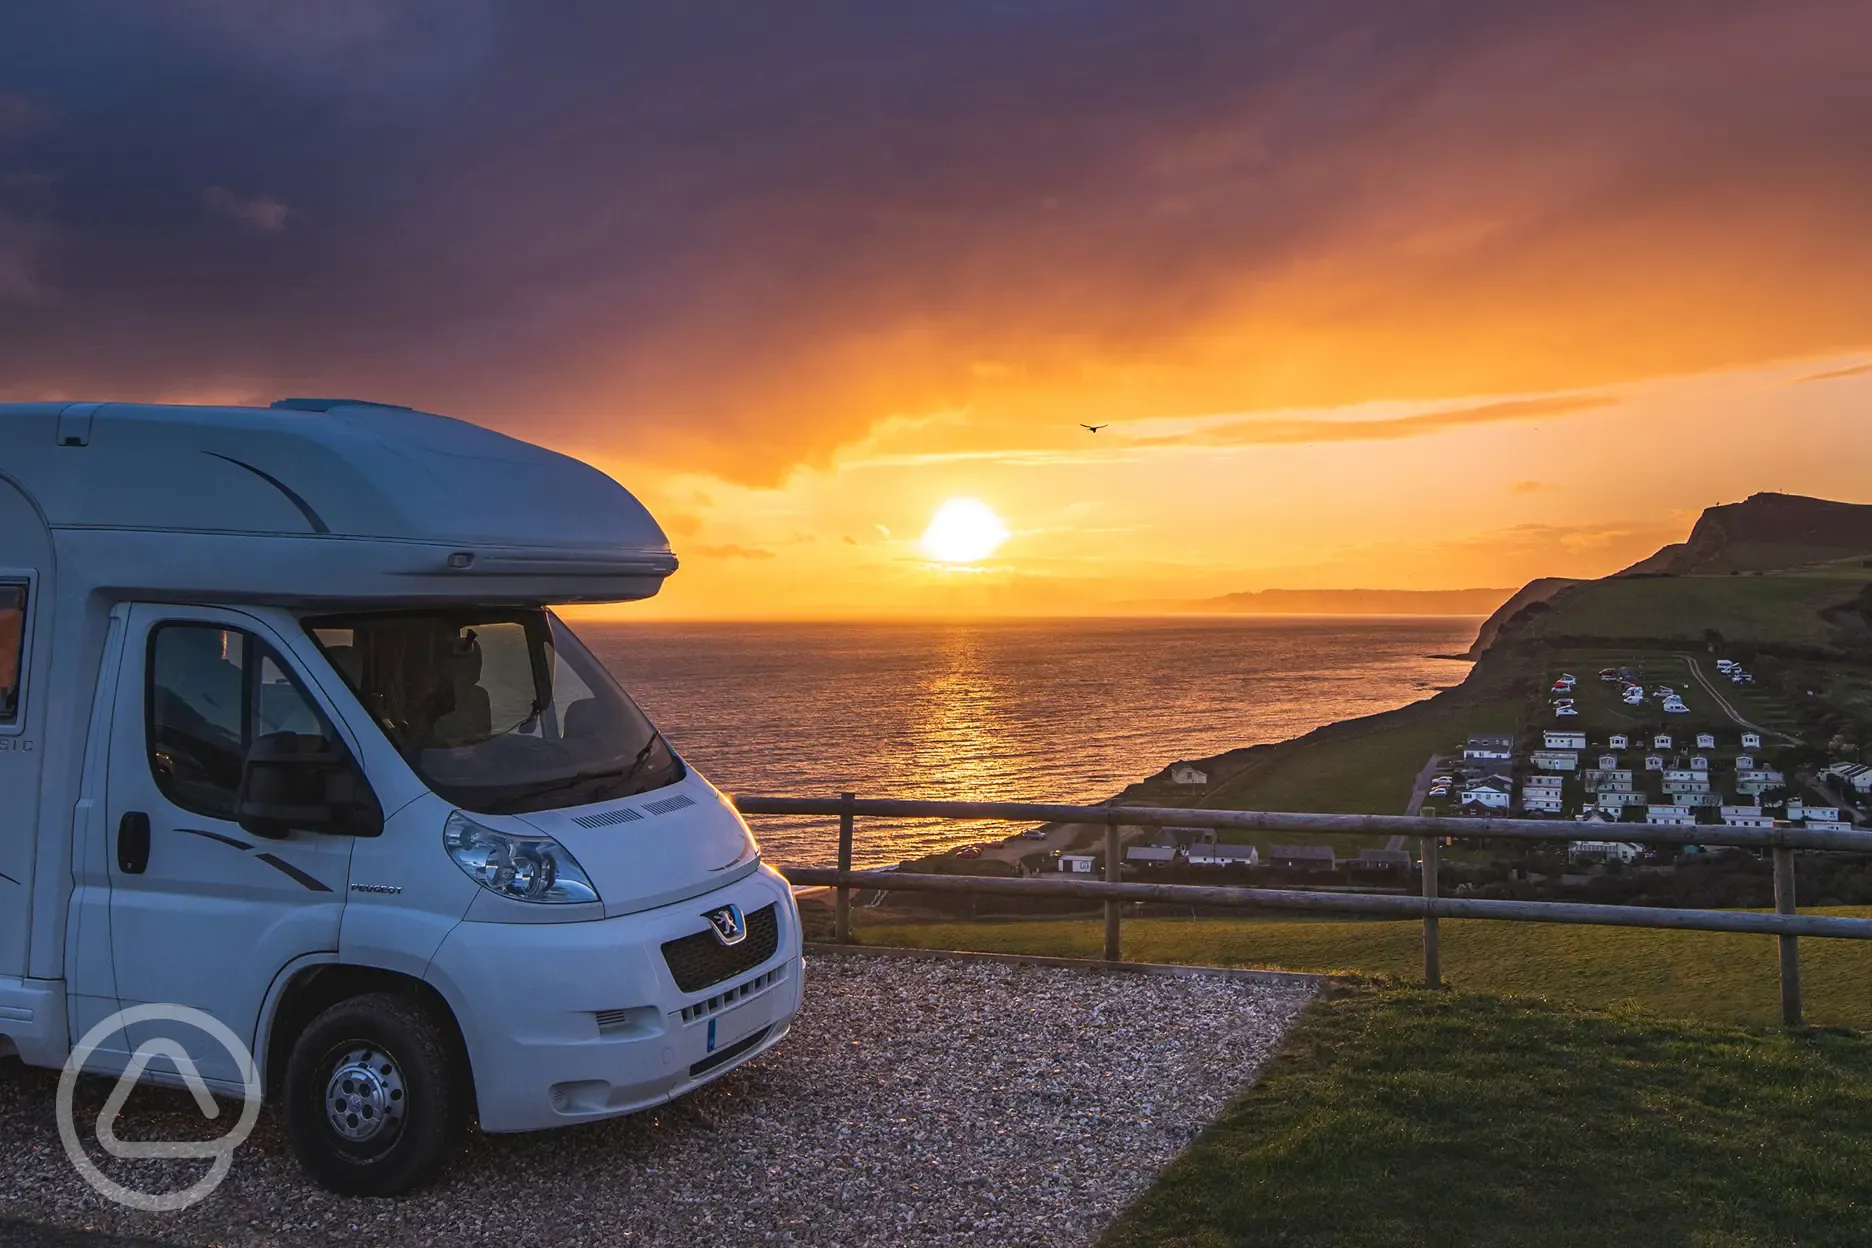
(376, 1096)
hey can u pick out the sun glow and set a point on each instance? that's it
(963, 530)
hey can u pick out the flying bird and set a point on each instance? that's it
(1094, 428)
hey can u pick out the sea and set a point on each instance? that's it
(1009, 710)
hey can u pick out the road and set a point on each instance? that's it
(1709, 687)
(1420, 787)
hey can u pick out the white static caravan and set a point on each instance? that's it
(289, 736)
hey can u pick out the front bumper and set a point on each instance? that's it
(569, 1022)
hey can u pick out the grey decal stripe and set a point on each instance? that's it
(312, 882)
(9, 879)
(305, 509)
(216, 836)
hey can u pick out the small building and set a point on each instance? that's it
(1618, 741)
(1556, 760)
(1751, 740)
(1185, 773)
(1491, 794)
(1612, 800)
(1702, 797)
(1829, 825)
(1608, 782)
(1662, 741)
(1746, 817)
(1215, 854)
(1699, 763)
(1856, 776)
(1317, 858)
(1153, 855)
(1653, 762)
(1390, 861)
(1676, 788)
(1545, 782)
(1602, 851)
(1540, 801)
(1077, 864)
(1705, 740)
(1180, 837)
(1562, 739)
(1745, 762)
(1489, 747)
(1671, 816)
(1605, 814)
(1759, 780)
(1798, 809)
(1608, 762)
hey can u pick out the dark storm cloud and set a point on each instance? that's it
(761, 227)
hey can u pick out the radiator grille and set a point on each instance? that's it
(663, 806)
(607, 818)
(698, 960)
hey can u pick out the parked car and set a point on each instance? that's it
(1565, 710)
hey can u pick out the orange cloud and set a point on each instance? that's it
(1277, 432)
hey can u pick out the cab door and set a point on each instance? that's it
(203, 913)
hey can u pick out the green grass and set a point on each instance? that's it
(1399, 1117)
(1759, 608)
(1712, 977)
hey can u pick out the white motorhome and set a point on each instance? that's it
(290, 735)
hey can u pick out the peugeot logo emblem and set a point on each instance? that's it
(729, 925)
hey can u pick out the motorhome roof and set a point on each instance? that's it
(426, 505)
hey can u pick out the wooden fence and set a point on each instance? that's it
(1785, 924)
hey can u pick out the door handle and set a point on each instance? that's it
(133, 843)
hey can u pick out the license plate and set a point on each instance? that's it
(731, 1025)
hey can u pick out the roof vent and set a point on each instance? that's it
(326, 405)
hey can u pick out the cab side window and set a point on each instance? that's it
(12, 647)
(211, 691)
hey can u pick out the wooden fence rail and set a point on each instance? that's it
(1786, 925)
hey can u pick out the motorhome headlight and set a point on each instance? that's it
(525, 868)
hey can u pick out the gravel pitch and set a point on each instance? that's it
(915, 1102)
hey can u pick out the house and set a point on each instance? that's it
(1604, 851)
(1613, 800)
(1618, 741)
(1545, 782)
(1661, 742)
(1702, 797)
(1608, 781)
(1798, 809)
(1706, 741)
(1540, 801)
(1653, 762)
(1759, 780)
(1606, 814)
(1699, 763)
(1608, 762)
(1746, 817)
(1556, 760)
(1077, 864)
(1857, 776)
(1152, 855)
(1179, 837)
(1217, 855)
(1184, 773)
(1391, 861)
(1745, 762)
(1676, 787)
(1671, 816)
(1751, 740)
(1829, 825)
(1489, 747)
(1317, 858)
(1562, 740)
(1490, 794)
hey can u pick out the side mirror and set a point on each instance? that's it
(294, 781)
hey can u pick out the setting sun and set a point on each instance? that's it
(963, 530)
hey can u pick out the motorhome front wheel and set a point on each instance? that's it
(376, 1098)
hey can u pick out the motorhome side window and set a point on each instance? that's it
(211, 692)
(12, 649)
(500, 710)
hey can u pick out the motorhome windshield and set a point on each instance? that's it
(499, 710)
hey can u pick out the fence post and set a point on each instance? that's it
(1790, 945)
(1432, 964)
(1112, 875)
(841, 921)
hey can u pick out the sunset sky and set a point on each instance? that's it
(1400, 295)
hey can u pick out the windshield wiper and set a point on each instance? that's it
(553, 786)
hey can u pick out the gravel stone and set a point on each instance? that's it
(915, 1102)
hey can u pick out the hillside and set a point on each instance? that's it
(1356, 602)
(1535, 591)
(1764, 532)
